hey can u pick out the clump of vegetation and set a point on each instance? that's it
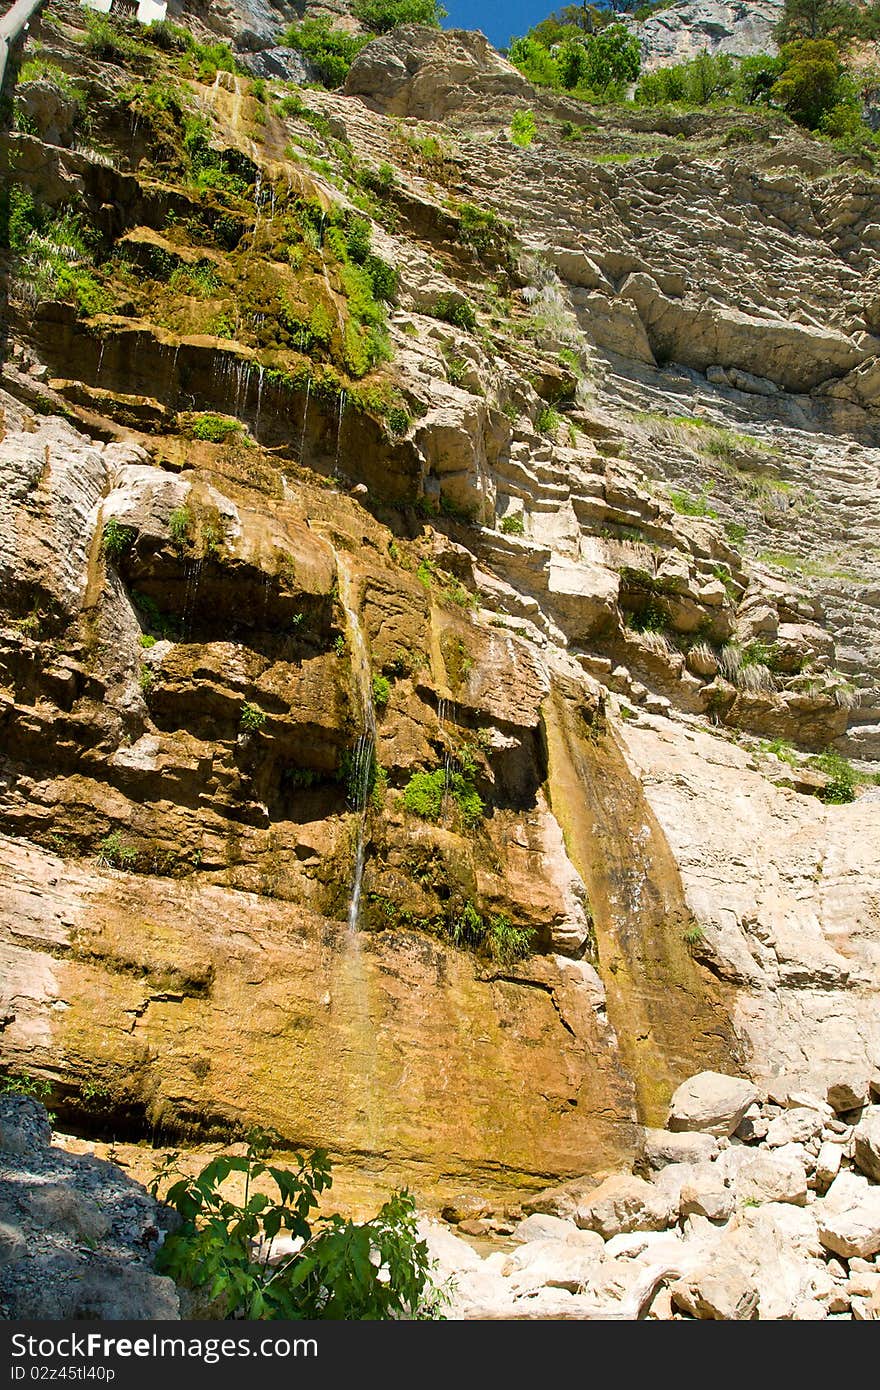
(578, 50)
(381, 691)
(113, 853)
(523, 129)
(224, 1247)
(840, 788)
(251, 718)
(215, 429)
(425, 793)
(513, 525)
(381, 16)
(459, 312)
(548, 420)
(116, 540)
(179, 526)
(55, 253)
(687, 505)
(330, 51)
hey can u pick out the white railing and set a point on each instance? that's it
(18, 16)
(11, 25)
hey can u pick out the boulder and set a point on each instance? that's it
(717, 1290)
(625, 1203)
(543, 1227)
(556, 1264)
(767, 1178)
(796, 1126)
(866, 1143)
(849, 1217)
(662, 1148)
(827, 1165)
(848, 1093)
(711, 1103)
(704, 1193)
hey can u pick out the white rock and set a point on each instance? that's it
(848, 1093)
(827, 1165)
(625, 1203)
(866, 1143)
(704, 1193)
(849, 1216)
(663, 1148)
(768, 1178)
(717, 1290)
(711, 1103)
(794, 1127)
(543, 1227)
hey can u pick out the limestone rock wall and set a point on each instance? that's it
(584, 509)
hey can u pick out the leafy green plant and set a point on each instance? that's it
(425, 792)
(507, 944)
(459, 312)
(113, 853)
(116, 540)
(26, 1085)
(693, 935)
(841, 786)
(523, 128)
(224, 1249)
(549, 420)
(330, 51)
(179, 524)
(381, 691)
(216, 429)
(251, 718)
(398, 421)
(381, 16)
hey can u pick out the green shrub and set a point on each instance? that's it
(841, 787)
(398, 420)
(116, 540)
(179, 524)
(381, 16)
(549, 420)
(523, 128)
(513, 525)
(455, 311)
(381, 691)
(507, 943)
(423, 794)
(330, 52)
(216, 429)
(252, 718)
(114, 854)
(223, 1248)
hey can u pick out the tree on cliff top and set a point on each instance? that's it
(837, 20)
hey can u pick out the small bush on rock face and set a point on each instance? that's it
(523, 128)
(252, 718)
(841, 787)
(116, 540)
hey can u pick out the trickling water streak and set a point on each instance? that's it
(302, 442)
(192, 578)
(100, 360)
(365, 749)
(339, 432)
(260, 375)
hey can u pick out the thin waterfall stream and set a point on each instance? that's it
(365, 749)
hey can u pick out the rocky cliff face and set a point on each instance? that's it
(689, 27)
(430, 571)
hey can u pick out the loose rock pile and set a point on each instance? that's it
(77, 1236)
(745, 1206)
